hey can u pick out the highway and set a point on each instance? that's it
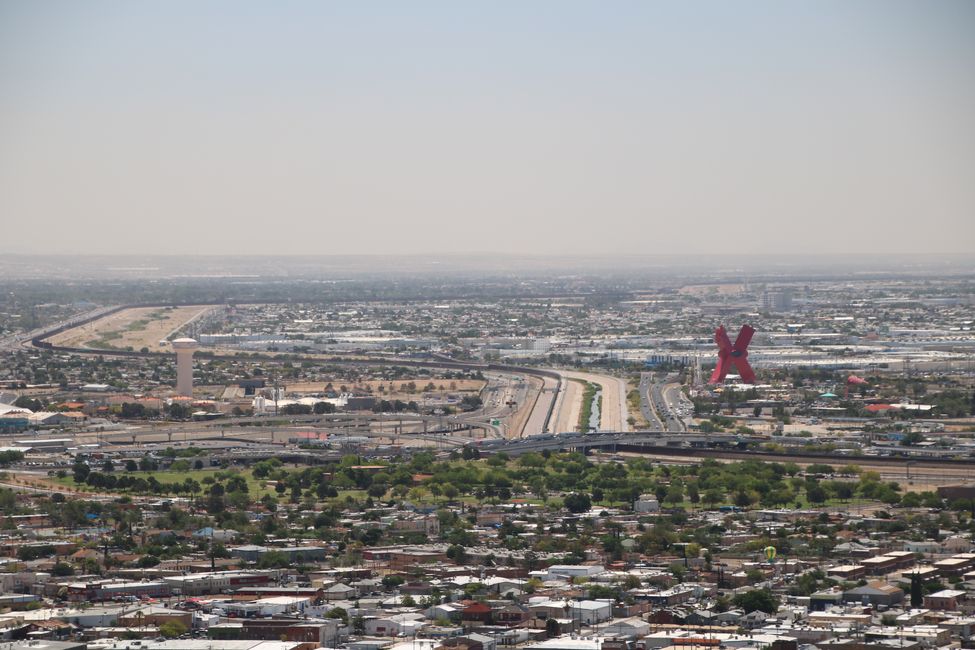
(646, 402)
(524, 402)
(542, 405)
(385, 425)
(667, 400)
(551, 404)
(507, 398)
(695, 446)
(278, 435)
(14, 341)
(525, 408)
(576, 440)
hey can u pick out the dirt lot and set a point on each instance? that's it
(567, 418)
(136, 328)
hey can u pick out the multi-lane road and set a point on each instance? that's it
(646, 402)
(663, 403)
(538, 420)
(17, 340)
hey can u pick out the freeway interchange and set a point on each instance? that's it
(527, 403)
(517, 401)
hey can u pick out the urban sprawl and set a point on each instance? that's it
(538, 462)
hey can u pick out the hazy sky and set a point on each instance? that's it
(541, 127)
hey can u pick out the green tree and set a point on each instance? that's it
(339, 613)
(577, 502)
(392, 581)
(713, 496)
(757, 600)
(172, 629)
(177, 411)
(457, 553)
(25, 402)
(323, 407)
(10, 456)
(912, 438)
(62, 569)
(274, 560)
(450, 491)
(675, 494)
(551, 627)
(743, 499)
(81, 471)
(815, 493)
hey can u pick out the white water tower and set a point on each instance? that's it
(184, 365)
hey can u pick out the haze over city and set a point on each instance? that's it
(549, 128)
(553, 325)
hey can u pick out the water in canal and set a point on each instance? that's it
(594, 413)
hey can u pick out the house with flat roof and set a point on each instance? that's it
(946, 599)
(875, 593)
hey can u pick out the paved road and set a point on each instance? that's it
(535, 423)
(14, 341)
(235, 427)
(659, 403)
(920, 479)
(646, 402)
(664, 399)
(508, 399)
(386, 429)
(32, 490)
(670, 394)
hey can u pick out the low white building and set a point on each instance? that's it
(590, 612)
(447, 611)
(646, 504)
(398, 624)
(338, 591)
(568, 571)
(570, 642)
(631, 628)
(194, 584)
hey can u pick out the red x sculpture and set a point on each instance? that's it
(733, 355)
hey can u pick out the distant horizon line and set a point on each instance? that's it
(912, 254)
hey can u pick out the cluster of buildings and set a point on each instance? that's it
(816, 323)
(878, 585)
(373, 565)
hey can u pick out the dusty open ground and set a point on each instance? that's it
(567, 418)
(613, 413)
(136, 328)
